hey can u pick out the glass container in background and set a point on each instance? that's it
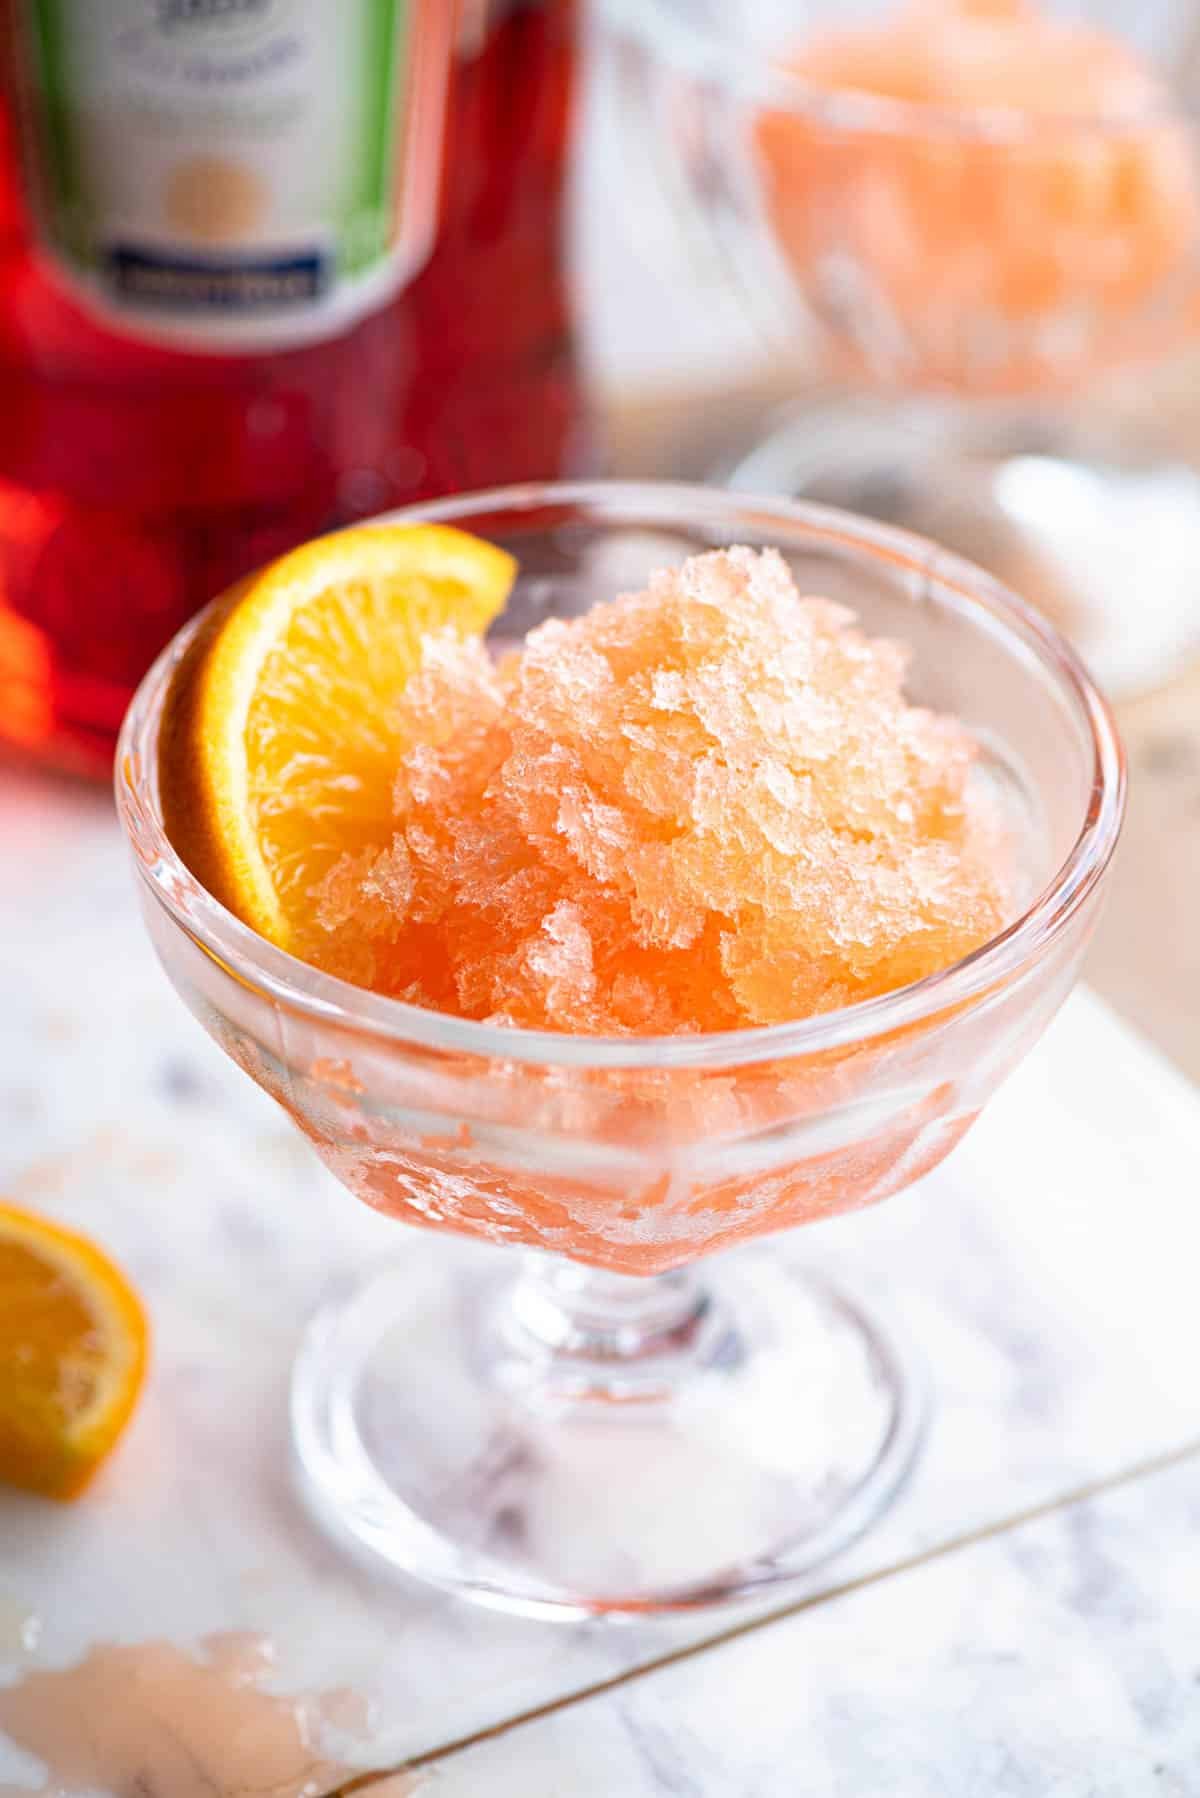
(986, 216)
(266, 266)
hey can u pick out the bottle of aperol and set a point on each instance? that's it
(266, 266)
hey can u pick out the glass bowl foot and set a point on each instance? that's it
(571, 1443)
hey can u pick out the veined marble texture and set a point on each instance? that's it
(1058, 1660)
(1047, 1272)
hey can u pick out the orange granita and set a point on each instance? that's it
(706, 805)
(1034, 175)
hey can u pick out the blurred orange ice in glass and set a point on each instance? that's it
(983, 193)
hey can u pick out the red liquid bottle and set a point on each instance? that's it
(266, 266)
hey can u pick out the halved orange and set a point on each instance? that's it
(278, 750)
(72, 1354)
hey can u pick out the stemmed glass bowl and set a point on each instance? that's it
(988, 312)
(589, 1416)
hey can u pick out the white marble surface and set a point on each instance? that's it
(1048, 1273)
(1059, 1660)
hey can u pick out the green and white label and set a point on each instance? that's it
(235, 173)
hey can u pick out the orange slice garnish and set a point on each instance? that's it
(278, 754)
(72, 1354)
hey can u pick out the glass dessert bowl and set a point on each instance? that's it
(974, 226)
(606, 1422)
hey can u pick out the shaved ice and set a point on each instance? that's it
(703, 806)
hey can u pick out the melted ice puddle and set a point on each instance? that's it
(150, 1720)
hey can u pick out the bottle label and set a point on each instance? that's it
(235, 174)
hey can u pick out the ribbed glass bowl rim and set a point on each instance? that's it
(325, 999)
(716, 52)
